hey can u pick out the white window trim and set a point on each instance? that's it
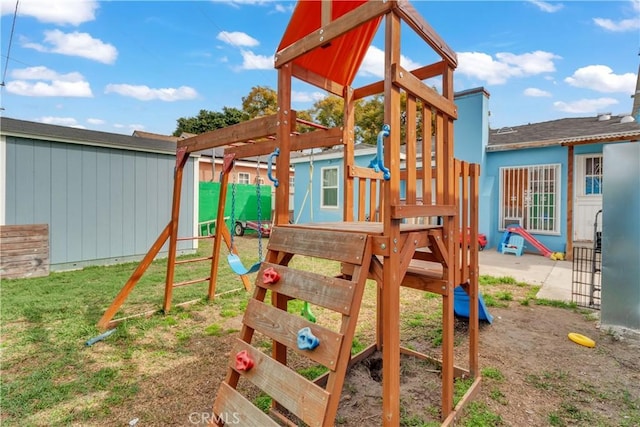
(581, 173)
(558, 198)
(322, 188)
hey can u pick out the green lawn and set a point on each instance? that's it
(47, 321)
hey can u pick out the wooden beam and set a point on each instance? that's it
(338, 27)
(105, 320)
(428, 71)
(326, 12)
(416, 211)
(413, 85)
(299, 142)
(317, 80)
(424, 30)
(257, 128)
(362, 172)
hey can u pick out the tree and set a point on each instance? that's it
(207, 121)
(261, 101)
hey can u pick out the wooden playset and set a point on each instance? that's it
(395, 230)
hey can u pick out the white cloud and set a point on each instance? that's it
(237, 38)
(61, 12)
(49, 83)
(505, 65)
(75, 44)
(145, 93)
(61, 121)
(251, 61)
(92, 121)
(535, 92)
(297, 96)
(583, 106)
(373, 63)
(602, 79)
(618, 26)
(546, 6)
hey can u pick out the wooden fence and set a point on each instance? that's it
(24, 251)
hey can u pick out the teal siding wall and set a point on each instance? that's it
(302, 211)
(102, 205)
(529, 157)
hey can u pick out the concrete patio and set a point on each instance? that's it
(554, 277)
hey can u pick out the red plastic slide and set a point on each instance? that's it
(529, 238)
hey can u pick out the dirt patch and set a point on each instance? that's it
(532, 373)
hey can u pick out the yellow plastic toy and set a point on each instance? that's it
(582, 340)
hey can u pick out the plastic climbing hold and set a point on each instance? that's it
(306, 339)
(307, 313)
(270, 276)
(582, 340)
(244, 362)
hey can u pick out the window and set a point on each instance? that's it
(243, 178)
(593, 175)
(530, 197)
(329, 190)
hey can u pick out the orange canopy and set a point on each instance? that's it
(340, 59)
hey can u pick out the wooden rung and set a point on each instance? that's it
(302, 397)
(232, 407)
(333, 245)
(190, 282)
(196, 237)
(186, 261)
(328, 292)
(283, 327)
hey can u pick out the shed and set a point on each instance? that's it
(104, 196)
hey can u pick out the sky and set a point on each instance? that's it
(119, 66)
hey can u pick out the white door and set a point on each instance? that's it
(588, 188)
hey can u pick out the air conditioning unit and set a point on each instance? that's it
(512, 221)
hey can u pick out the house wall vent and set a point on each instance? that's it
(627, 119)
(604, 117)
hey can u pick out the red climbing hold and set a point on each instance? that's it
(244, 362)
(270, 276)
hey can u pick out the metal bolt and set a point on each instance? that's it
(321, 38)
(395, 240)
(395, 250)
(383, 246)
(401, 74)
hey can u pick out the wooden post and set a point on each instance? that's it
(570, 165)
(349, 143)
(181, 160)
(284, 138)
(449, 227)
(391, 279)
(474, 271)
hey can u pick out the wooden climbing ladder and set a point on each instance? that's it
(293, 394)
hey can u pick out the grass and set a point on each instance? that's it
(47, 368)
(47, 321)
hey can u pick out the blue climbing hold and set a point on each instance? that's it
(306, 339)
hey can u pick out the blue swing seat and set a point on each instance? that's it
(236, 265)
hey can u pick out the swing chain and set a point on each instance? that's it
(258, 195)
(233, 212)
